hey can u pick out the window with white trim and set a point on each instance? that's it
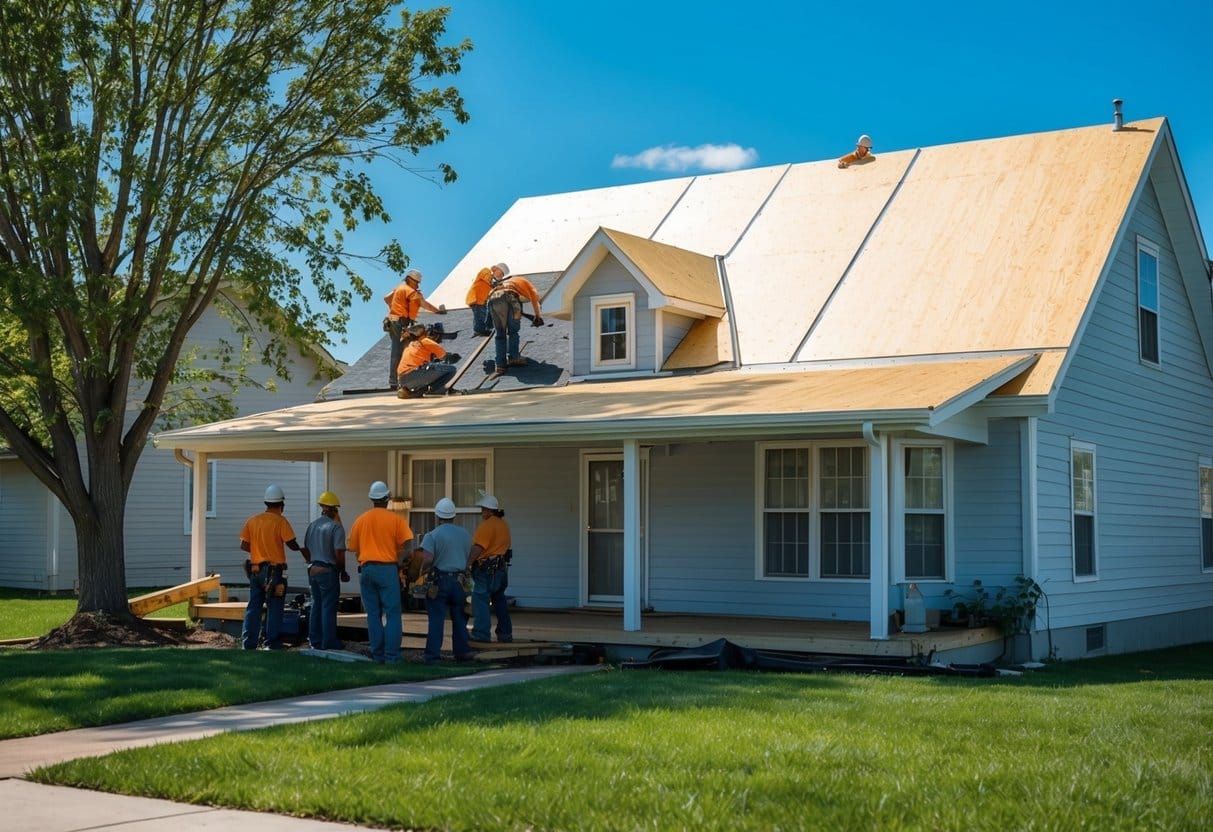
(427, 478)
(1147, 301)
(613, 344)
(814, 516)
(922, 500)
(212, 475)
(1206, 513)
(1082, 496)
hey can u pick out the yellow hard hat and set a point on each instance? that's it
(328, 498)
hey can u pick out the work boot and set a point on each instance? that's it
(499, 371)
(404, 393)
(517, 362)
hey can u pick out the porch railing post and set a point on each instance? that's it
(198, 520)
(878, 499)
(631, 535)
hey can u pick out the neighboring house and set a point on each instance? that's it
(38, 550)
(789, 392)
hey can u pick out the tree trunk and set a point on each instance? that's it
(100, 542)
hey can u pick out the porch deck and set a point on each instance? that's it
(534, 629)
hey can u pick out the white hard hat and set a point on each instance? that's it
(379, 490)
(413, 274)
(445, 508)
(505, 270)
(864, 141)
(273, 493)
(490, 502)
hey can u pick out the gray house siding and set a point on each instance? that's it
(674, 328)
(25, 514)
(611, 278)
(1149, 426)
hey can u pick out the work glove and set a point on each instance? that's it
(453, 357)
(442, 309)
(536, 321)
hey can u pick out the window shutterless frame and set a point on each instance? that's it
(1204, 484)
(1148, 303)
(922, 518)
(613, 332)
(1083, 502)
(212, 477)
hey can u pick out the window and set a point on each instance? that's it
(1206, 514)
(834, 513)
(1147, 301)
(924, 499)
(427, 479)
(1082, 479)
(614, 335)
(212, 475)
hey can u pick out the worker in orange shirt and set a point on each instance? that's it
(380, 538)
(263, 537)
(505, 309)
(863, 151)
(422, 368)
(404, 303)
(489, 563)
(478, 296)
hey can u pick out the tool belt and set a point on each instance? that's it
(491, 565)
(275, 580)
(506, 296)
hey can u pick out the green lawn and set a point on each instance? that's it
(28, 614)
(1116, 743)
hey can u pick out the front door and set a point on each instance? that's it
(603, 490)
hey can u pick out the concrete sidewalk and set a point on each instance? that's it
(35, 808)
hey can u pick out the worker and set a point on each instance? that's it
(425, 366)
(489, 563)
(478, 296)
(444, 553)
(404, 303)
(505, 310)
(263, 537)
(325, 542)
(863, 151)
(380, 539)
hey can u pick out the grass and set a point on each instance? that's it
(54, 690)
(29, 614)
(1116, 743)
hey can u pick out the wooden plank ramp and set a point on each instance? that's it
(144, 604)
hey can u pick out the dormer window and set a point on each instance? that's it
(614, 335)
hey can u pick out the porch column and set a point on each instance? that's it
(878, 502)
(631, 535)
(198, 518)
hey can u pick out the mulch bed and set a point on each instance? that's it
(100, 630)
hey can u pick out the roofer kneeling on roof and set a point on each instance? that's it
(505, 309)
(404, 303)
(422, 368)
(863, 152)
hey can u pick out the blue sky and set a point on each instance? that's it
(575, 94)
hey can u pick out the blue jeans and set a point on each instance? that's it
(262, 593)
(322, 620)
(489, 590)
(449, 602)
(505, 329)
(480, 319)
(381, 600)
(431, 376)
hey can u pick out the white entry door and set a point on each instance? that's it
(602, 508)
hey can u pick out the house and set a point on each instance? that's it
(791, 392)
(39, 548)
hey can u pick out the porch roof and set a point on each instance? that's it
(729, 404)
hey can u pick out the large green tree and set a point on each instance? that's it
(154, 154)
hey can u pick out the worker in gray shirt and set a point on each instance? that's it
(444, 553)
(325, 541)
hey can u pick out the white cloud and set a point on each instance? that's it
(680, 158)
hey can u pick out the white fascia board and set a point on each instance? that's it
(560, 296)
(978, 393)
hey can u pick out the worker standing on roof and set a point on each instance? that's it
(489, 563)
(422, 369)
(505, 310)
(380, 539)
(863, 150)
(404, 303)
(478, 296)
(444, 553)
(325, 542)
(263, 537)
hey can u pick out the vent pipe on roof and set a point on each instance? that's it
(1118, 120)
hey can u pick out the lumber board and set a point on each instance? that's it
(144, 604)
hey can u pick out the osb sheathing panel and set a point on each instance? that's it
(676, 272)
(708, 343)
(787, 263)
(729, 396)
(1037, 380)
(989, 245)
(543, 234)
(711, 216)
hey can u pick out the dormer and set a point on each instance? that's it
(632, 301)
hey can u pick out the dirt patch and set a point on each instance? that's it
(100, 630)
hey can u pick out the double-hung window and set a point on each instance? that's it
(427, 478)
(923, 497)
(1082, 488)
(1147, 301)
(613, 344)
(1206, 513)
(212, 476)
(814, 514)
